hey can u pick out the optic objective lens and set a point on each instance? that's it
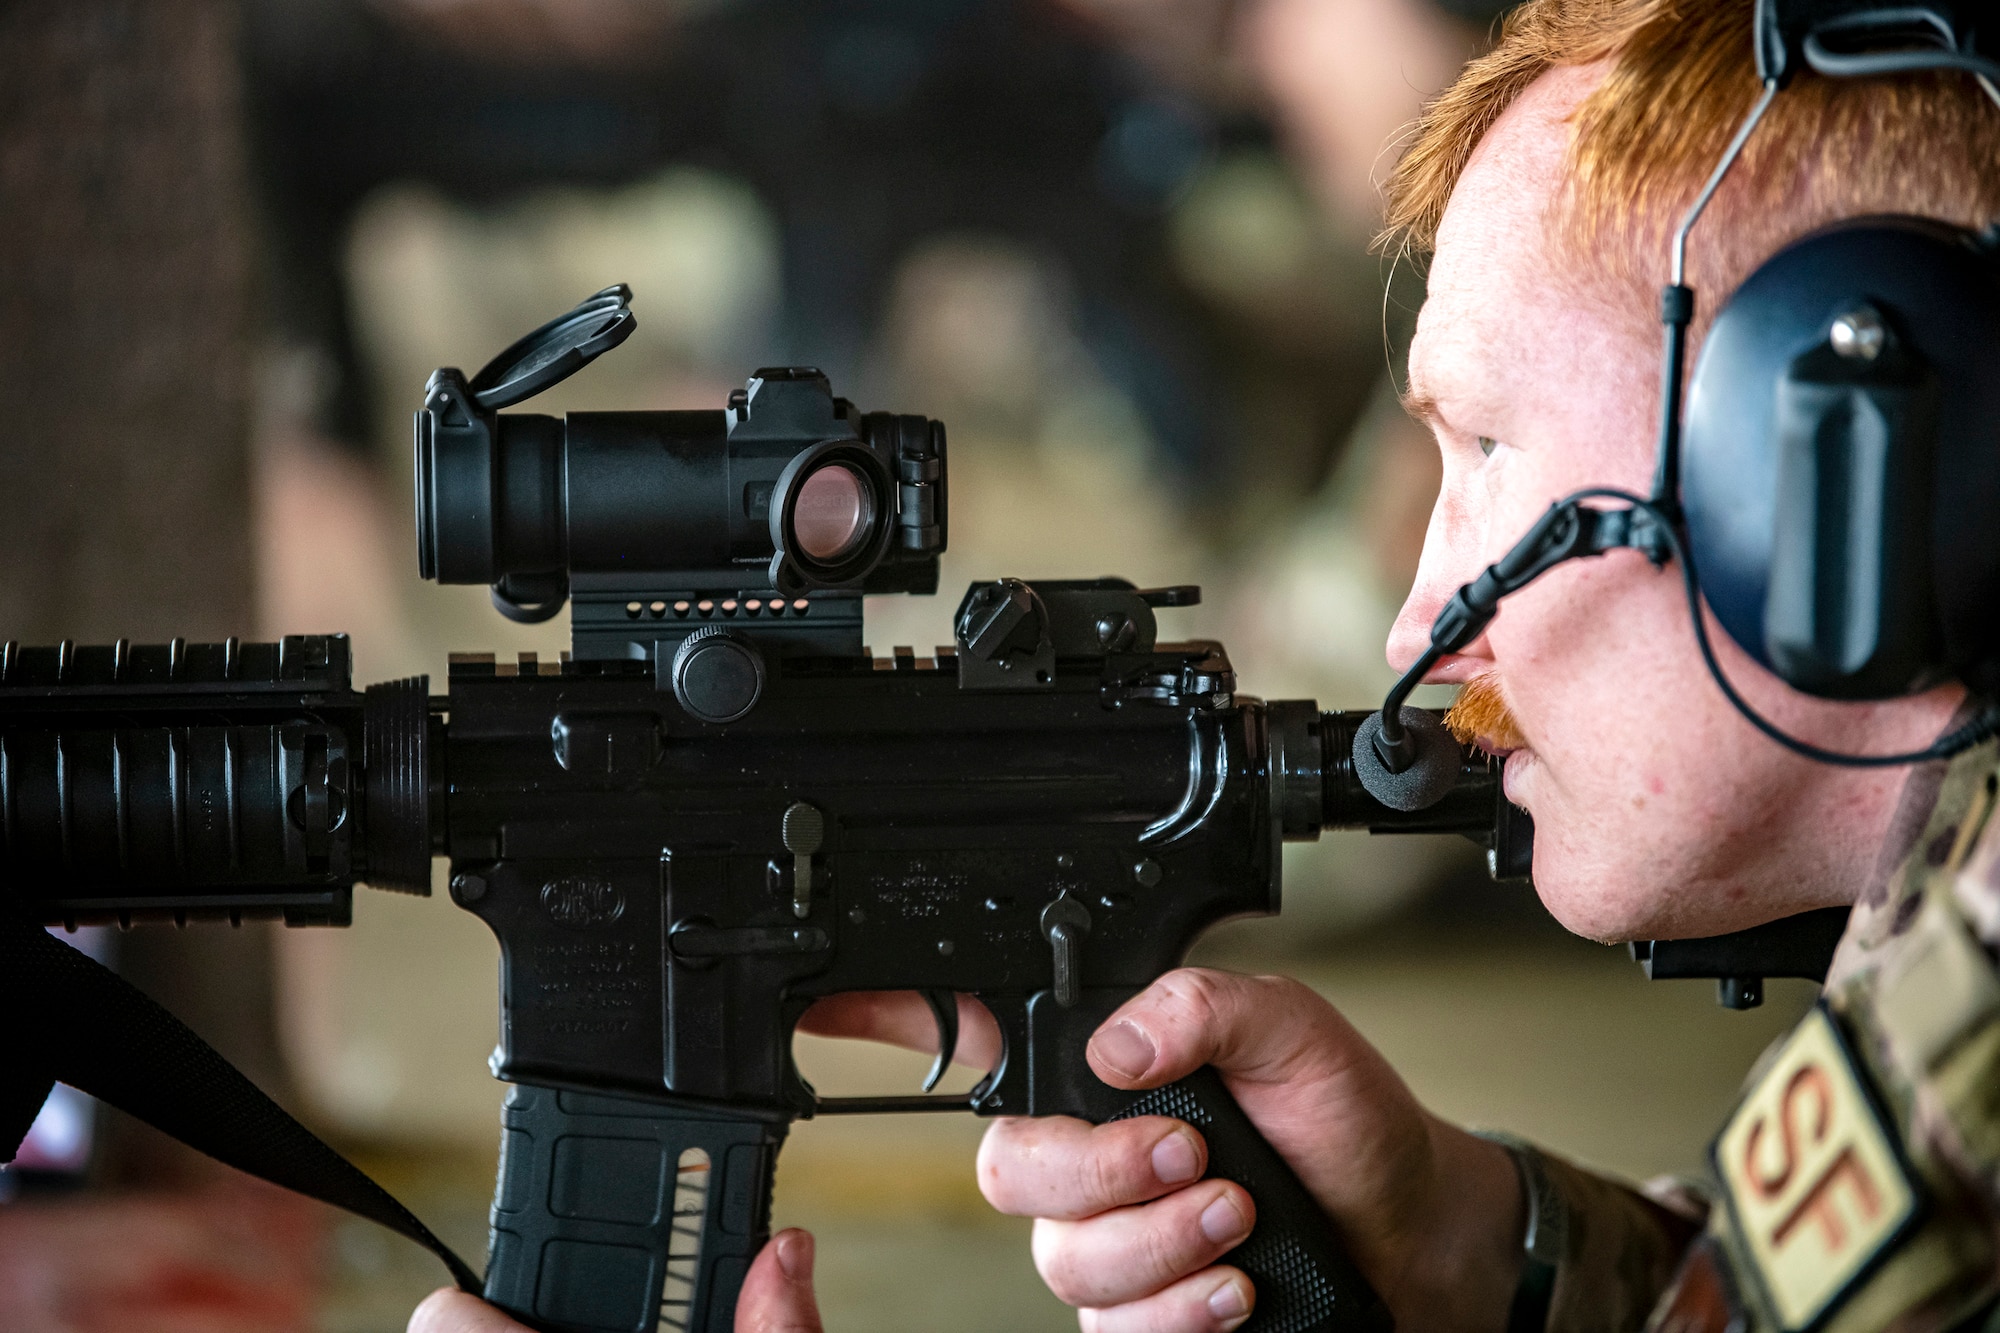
(832, 514)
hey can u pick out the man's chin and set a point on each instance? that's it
(1594, 922)
(1584, 901)
(1609, 902)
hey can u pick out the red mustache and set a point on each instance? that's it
(1480, 716)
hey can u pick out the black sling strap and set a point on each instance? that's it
(69, 1019)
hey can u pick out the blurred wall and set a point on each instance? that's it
(125, 329)
(126, 339)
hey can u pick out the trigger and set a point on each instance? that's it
(944, 1008)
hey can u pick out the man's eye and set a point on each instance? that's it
(1487, 444)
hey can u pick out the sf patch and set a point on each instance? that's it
(1816, 1185)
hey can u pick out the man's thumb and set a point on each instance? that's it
(448, 1310)
(777, 1291)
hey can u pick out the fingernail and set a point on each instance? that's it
(1175, 1160)
(1124, 1049)
(1222, 1222)
(795, 1255)
(1229, 1305)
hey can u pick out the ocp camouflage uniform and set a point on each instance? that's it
(1857, 1184)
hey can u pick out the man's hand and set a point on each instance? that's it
(1126, 1228)
(1128, 1231)
(777, 1297)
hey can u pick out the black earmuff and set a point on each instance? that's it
(1840, 472)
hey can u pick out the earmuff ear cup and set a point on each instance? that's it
(1840, 469)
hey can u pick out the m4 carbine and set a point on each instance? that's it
(716, 809)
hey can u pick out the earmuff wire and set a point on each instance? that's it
(1677, 312)
(1981, 728)
(1729, 155)
(1875, 64)
(1569, 530)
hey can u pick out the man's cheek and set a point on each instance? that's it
(1516, 487)
(1575, 679)
(1551, 648)
(1460, 520)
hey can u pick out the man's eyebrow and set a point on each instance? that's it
(1422, 407)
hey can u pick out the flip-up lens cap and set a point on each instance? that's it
(556, 350)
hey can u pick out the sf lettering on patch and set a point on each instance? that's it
(1815, 1184)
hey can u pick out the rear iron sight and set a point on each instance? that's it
(767, 519)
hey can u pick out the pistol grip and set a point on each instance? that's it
(1305, 1282)
(615, 1215)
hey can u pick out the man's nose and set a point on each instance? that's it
(1411, 633)
(1451, 557)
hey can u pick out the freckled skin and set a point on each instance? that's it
(1658, 811)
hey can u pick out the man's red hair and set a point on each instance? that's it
(1680, 77)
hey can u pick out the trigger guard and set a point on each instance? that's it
(944, 1008)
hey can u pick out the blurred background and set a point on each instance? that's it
(1122, 247)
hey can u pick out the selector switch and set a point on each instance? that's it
(717, 676)
(804, 830)
(1064, 924)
